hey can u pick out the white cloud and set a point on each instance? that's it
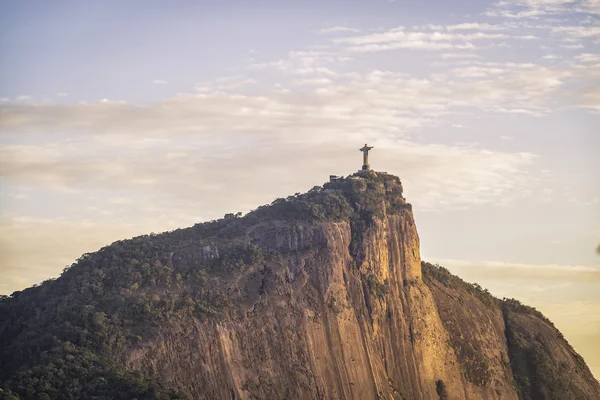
(402, 38)
(411, 44)
(401, 35)
(377, 101)
(475, 26)
(572, 46)
(535, 9)
(578, 31)
(311, 82)
(449, 56)
(336, 29)
(588, 57)
(379, 106)
(159, 82)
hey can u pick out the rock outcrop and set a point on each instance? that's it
(318, 296)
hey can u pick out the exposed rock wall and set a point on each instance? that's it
(345, 316)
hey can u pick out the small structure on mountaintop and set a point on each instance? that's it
(365, 150)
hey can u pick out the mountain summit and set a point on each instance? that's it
(321, 295)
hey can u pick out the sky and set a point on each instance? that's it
(125, 118)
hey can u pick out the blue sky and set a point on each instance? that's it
(122, 118)
(118, 41)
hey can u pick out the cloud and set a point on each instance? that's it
(383, 101)
(588, 57)
(336, 29)
(578, 31)
(535, 9)
(159, 82)
(401, 35)
(551, 57)
(312, 82)
(319, 106)
(572, 46)
(450, 56)
(475, 26)
(410, 44)
(549, 10)
(427, 37)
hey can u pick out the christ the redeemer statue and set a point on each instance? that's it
(365, 151)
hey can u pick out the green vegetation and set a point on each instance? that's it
(377, 288)
(534, 368)
(239, 257)
(363, 196)
(516, 306)
(444, 276)
(65, 338)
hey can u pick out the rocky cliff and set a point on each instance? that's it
(318, 296)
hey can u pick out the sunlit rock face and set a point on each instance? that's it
(324, 296)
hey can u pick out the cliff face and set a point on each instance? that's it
(326, 323)
(333, 305)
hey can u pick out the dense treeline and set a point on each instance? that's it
(343, 199)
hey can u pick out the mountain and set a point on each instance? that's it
(321, 295)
